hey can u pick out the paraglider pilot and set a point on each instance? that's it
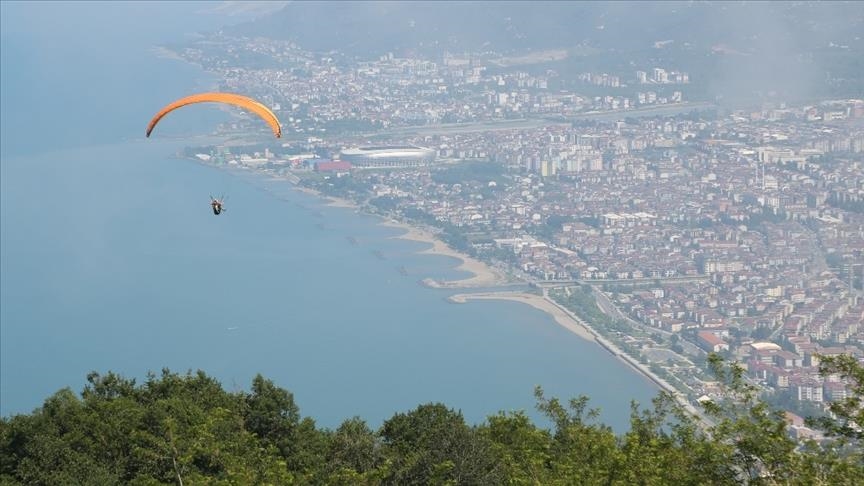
(216, 204)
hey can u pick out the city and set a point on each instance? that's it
(692, 231)
(411, 243)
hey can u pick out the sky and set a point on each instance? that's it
(61, 82)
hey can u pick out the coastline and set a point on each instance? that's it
(538, 302)
(165, 53)
(483, 274)
(334, 202)
(573, 323)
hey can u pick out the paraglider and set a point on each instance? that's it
(218, 205)
(232, 99)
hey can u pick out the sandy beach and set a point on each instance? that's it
(484, 275)
(165, 53)
(336, 202)
(572, 323)
(536, 301)
(330, 200)
(306, 190)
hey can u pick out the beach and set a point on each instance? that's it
(165, 53)
(572, 323)
(335, 202)
(331, 201)
(536, 301)
(484, 275)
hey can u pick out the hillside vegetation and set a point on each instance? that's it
(186, 429)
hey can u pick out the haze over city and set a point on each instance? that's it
(427, 222)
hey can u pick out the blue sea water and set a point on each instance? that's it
(111, 261)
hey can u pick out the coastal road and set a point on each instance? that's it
(624, 281)
(634, 363)
(610, 309)
(528, 123)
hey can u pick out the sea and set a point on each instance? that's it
(110, 259)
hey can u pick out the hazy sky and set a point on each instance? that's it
(67, 65)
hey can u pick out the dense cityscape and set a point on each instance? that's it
(696, 230)
(461, 243)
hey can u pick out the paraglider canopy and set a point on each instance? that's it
(229, 98)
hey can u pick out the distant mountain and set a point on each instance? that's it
(369, 29)
(795, 50)
(247, 8)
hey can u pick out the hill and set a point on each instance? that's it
(374, 28)
(800, 50)
(186, 428)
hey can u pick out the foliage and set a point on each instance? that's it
(385, 203)
(477, 172)
(186, 429)
(344, 187)
(756, 436)
(551, 226)
(848, 413)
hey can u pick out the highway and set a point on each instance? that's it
(625, 281)
(634, 363)
(528, 123)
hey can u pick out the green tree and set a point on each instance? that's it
(581, 451)
(524, 452)
(271, 414)
(354, 454)
(762, 450)
(51, 446)
(665, 446)
(848, 419)
(185, 429)
(433, 445)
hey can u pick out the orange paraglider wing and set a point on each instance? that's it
(229, 98)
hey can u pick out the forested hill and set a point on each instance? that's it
(374, 28)
(731, 50)
(186, 429)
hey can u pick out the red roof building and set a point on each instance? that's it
(332, 166)
(711, 342)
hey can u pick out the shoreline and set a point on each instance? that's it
(536, 301)
(165, 53)
(483, 274)
(573, 323)
(486, 276)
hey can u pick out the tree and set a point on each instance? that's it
(185, 429)
(848, 413)
(761, 450)
(580, 449)
(523, 450)
(761, 446)
(665, 446)
(51, 446)
(354, 454)
(433, 445)
(271, 414)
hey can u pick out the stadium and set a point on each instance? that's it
(391, 156)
